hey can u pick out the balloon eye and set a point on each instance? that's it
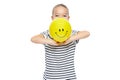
(62, 29)
(59, 30)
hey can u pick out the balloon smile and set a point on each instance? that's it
(61, 36)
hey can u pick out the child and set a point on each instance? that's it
(59, 57)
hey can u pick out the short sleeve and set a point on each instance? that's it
(45, 34)
(73, 33)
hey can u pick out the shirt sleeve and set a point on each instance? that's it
(45, 34)
(73, 33)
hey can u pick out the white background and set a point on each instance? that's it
(96, 57)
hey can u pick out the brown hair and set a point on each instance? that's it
(60, 5)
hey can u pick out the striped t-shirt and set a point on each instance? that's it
(59, 60)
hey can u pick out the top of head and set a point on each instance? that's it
(60, 29)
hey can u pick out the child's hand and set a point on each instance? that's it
(51, 42)
(67, 41)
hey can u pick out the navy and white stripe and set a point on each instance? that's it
(59, 60)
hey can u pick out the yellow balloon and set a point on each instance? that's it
(60, 29)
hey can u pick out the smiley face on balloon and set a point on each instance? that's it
(60, 29)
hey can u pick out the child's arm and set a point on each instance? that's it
(40, 39)
(79, 35)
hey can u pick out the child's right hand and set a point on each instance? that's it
(40, 39)
(51, 42)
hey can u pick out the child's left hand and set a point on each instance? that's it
(65, 42)
(68, 41)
